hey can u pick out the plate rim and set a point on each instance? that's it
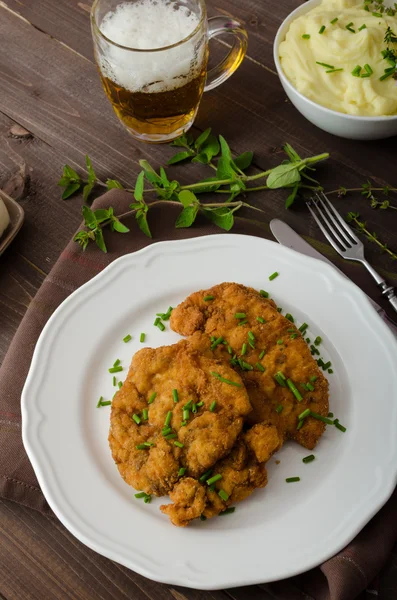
(27, 434)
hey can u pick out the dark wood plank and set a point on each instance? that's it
(73, 114)
(39, 550)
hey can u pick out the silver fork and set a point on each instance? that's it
(344, 240)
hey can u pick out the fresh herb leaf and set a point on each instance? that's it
(187, 217)
(283, 176)
(112, 184)
(138, 191)
(179, 157)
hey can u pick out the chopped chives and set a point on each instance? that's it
(289, 317)
(188, 405)
(293, 336)
(356, 71)
(240, 316)
(127, 338)
(159, 324)
(156, 321)
(136, 418)
(205, 476)
(322, 29)
(279, 409)
(273, 276)
(308, 459)
(251, 336)
(229, 349)
(185, 415)
(212, 406)
(306, 36)
(300, 424)
(147, 499)
(326, 365)
(114, 381)
(310, 387)
(115, 369)
(362, 27)
(224, 495)
(308, 340)
(339, 426)
(334, 21)
(313, 378)
(170, 436)
(330, 371)
(228, 511)
(327, 66)
(368, 69)
(243, 349)
(181, 471)
(279, 342)
(292, 479)
(208, 298)
(279, 309)
(303, 327)
(120, 384)
(175, 395)
(377, 14)
(200, 404)
(224, 380)
(262, 354)
(260, 319)
(212, 488)
(291, 330)
(142, 337)
(294, 390)
(243, 322)
(314, 350)
(334, 70)
(304, 414)
(166, 431)
(252, 344)
(321, 418)
(116, 362)
(216, 342)
(280, 378)
(140, 495)
(203, 518)
(178, 444)
(318, 340)
(194, 408)
(168, 418)
(245, 366)
(350, 28)
(152, 397)
(145, 414)
(214, 479)
(142, 447)
(388, 74)
(260, 367)
(264, 294)
(304, 386)
(103, 402)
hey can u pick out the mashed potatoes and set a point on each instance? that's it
(352, 40)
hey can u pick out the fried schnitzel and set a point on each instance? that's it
(241, 472)
(176, 410)
(267, 350)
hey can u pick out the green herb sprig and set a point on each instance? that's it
(353, 217)
(230, 178)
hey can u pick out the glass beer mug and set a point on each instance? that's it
(152, 58)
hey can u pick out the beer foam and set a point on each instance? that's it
(151, 24)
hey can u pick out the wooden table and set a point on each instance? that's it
(52, 111)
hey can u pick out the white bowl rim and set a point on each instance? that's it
(303, 8)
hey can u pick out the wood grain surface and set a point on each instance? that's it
(53, 111)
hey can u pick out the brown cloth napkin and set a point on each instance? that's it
(341, 578)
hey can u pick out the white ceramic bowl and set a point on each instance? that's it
(337, 123)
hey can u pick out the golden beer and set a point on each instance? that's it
(149, 113)
(152, 58)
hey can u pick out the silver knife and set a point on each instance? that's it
(286, 236)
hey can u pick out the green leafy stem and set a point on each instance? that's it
(230, 178)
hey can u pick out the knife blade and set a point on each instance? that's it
(286, 236)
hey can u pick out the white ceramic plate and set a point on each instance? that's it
(279, 531)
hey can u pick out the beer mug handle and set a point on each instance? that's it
(231, 62)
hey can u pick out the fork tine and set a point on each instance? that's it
(341, 220)
(339, 229)
(323, 229)
(332, 230)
